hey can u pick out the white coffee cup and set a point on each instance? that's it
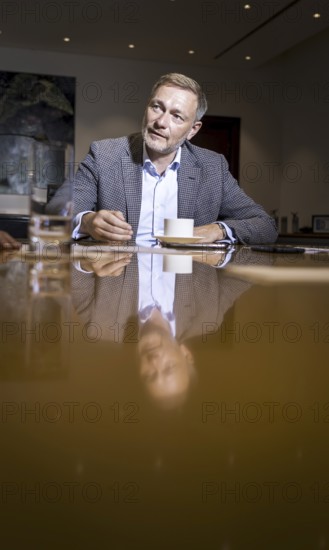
(177, 263)
(178, 227)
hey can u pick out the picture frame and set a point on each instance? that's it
(37, 121)
(320, 223)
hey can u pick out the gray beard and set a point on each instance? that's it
(161, 149)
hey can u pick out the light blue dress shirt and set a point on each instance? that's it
(159, 199)
(156, 287)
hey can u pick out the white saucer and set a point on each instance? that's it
(178, 240)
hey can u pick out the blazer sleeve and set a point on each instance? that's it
(248, 220)
(60, 203)
(82, 189)
(85, 183)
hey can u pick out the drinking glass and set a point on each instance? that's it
(49, 230)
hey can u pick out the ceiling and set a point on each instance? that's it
(220, 32)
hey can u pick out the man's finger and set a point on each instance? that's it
(113, 268)
(113, 234)
(116, 219)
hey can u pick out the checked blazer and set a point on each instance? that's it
(110, 177)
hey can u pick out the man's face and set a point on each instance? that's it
(169, 119)
(164, 364)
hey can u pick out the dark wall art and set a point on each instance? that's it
(36, 131)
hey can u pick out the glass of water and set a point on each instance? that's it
(49, 230)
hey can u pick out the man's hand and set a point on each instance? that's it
(106, 225)
(210, 258)
(210, 233)
(6, 241)
(111, 265)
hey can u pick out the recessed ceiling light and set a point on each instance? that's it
(316, 15)
(131, 46)
(247, 58)
(66, 39)
(191, 52)
(247, 6)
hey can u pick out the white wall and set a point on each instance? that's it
(305, 144)
(111, 96)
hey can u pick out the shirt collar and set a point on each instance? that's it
(174, 165)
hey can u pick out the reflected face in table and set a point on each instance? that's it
(166, 366)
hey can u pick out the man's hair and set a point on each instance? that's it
(186, 83)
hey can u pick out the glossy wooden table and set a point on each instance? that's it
(230, 451)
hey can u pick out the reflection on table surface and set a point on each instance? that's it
(150, 401)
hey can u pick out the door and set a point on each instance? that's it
(221, 134)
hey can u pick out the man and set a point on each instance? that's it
(126, 187)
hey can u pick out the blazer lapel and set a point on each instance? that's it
(132, 172)
(189, 174)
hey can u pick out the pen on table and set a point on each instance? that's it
(314, 250)
(279, 249)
